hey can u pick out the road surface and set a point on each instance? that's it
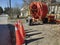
(46, 34)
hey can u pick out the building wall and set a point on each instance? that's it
(56, 9)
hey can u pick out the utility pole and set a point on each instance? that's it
(10, 4)
(10, 9)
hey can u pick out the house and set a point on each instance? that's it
(24, 11)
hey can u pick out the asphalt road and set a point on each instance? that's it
(46, 34)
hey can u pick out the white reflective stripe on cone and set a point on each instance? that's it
(16, 28)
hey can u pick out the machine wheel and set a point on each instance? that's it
(45, 20)
(30, 22)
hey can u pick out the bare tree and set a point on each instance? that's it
(1, 10)
(29, 1)
(16, 10)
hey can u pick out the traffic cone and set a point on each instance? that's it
(19, 39)
(21, 29)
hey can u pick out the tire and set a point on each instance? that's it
(45, 20)
(26, 20)
(30, 22)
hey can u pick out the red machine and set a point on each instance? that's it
(38, 12)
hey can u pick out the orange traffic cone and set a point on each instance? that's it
(19, 38)
(21, 29)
